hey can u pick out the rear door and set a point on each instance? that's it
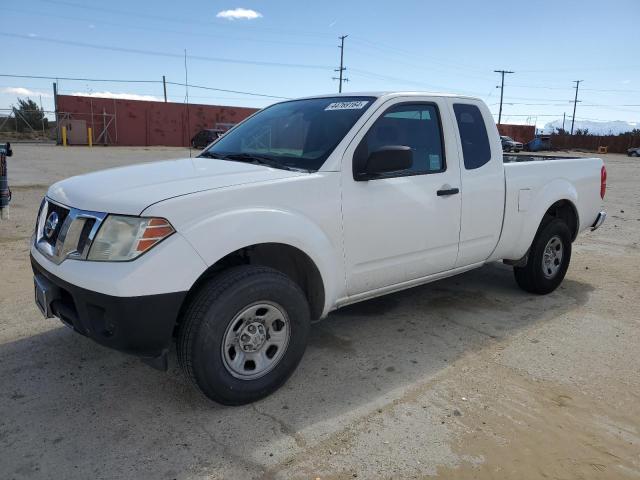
(397, 227)
(482, 179)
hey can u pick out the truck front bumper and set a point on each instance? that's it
(141, 325)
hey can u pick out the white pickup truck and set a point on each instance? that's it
(305, 207)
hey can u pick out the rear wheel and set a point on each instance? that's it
(243, 334)
(548, 260)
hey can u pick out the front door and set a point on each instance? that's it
(403, 225)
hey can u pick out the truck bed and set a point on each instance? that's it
(532, 184)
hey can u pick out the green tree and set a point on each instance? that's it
(29, 116)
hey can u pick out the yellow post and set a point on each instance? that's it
(90, 136)
(64, 136)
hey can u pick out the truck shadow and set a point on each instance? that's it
(64, 397)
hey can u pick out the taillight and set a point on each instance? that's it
(603, 182)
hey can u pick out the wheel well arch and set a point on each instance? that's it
(291, 261)
(567, 212)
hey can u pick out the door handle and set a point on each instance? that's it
(448, 191)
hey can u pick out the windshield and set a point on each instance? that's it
(299, 135)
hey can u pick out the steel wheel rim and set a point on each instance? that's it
(255, 340)
(552, 257)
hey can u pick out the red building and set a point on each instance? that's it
(140, 123)
(520, 133)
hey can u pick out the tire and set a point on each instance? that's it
(227, 307)
(634, 154)
(540, 277)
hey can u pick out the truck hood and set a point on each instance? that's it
(129, 190)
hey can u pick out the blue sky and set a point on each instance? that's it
(289, 48)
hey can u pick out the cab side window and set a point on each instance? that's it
(413, 125)
(473, 135)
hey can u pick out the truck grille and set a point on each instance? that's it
(61, 214)
(63, 232)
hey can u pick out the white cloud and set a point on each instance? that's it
(239, 13)
(24, 92)
(120, 96)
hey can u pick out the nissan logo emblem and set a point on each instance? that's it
(51, 224)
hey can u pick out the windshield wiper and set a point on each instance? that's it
(257, 159)
(207, 154)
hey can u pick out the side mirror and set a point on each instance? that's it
(392, 158)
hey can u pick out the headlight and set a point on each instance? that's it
(122, 238)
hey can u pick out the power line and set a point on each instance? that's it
(501, 72)
(228, 91)
(604, 105)
(575, 103)
(163, 54)
(433, 65)
(573, 69)
(421, 58)
(42, 77)
(602, 90)
(610, 90)
(189, 21)
(112, 80)
(377, 76)
(342, 68)
(191, 32)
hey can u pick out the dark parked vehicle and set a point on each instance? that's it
(205, 137)
(509, 144)
(634, 152)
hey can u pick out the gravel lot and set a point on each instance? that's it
(464, 378)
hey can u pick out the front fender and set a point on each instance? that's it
(219, 235)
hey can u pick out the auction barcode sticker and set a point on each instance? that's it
(357, 105)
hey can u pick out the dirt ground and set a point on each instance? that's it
(464, 378)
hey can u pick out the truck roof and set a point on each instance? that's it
(394, 93)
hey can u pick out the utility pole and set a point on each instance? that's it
(164, 86)
(501, 87)
(342, 67)
(42, 119)
(563, 117)
(55, 108)
(575, 102)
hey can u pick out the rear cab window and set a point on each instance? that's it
(476, 149)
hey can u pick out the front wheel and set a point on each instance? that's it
(243, 334)
(548, 261)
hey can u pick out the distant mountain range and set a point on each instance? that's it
(595, 128)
